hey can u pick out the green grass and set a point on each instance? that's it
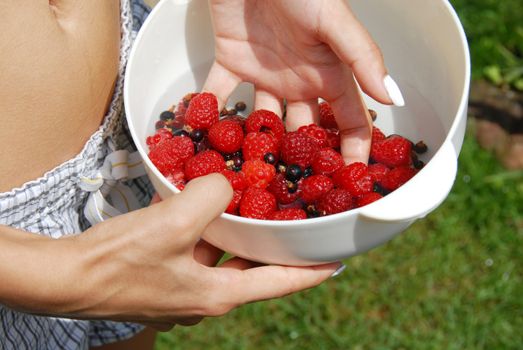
(451, 281)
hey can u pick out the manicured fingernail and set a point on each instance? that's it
(394, 91)
(339, 270)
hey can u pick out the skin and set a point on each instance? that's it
(58, 76)
(293, 49)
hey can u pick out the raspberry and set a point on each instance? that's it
(327, 118)
(335, 201)
(170, 154)
(202, 112)
(280, 189)
(236, 179)
(354, 178)
(397, 177)
(377, 135)
(316, 132)
(257, 173)
(314, 187)
(257, 203)
(234, 204)
(257, 144)
(204, 163)
(265, 121)
(333, 138)
(393, 151)
(226, 136)
(367, 198)
(298, 148)
(288, 214)
(326, 161)
(177, 178)
(378, 171)
(236, 118)
(159, 136)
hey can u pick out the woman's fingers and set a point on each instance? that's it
(221, 82)
(207, 254)
(268, 101)
(360, 52)
(354, 122)
(267, 282)
(301, 113)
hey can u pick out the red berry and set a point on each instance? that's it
(202, 112)
(326, 161)
(236, 118)
(257, 203)
(378, 171)
(265, 121)
(257, 173)
(298, 148)
(236, 179)
(288, 214)
(333, 138)
(397, 177)
(226, 136)
(354, 178)
(316, 132)
(327, 118)
(393, 151)
(336, 201)
(280, 189)
(367, 198)
(314, 187)
(204, 163)
(234, 204)
(257, 144)
(177, 178)
(170, 154)
(159, 136)
(377, 135)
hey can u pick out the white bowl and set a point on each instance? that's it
(425, 50)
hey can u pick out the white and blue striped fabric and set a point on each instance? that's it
(53, 206)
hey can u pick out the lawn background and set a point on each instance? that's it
(451, 281)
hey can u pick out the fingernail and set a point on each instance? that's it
(339, 270)
(394, 91)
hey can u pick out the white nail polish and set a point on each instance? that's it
(394, 91)
(339, 270)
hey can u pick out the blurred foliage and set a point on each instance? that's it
(494, 29)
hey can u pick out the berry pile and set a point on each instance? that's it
(276, 175)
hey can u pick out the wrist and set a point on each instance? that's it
(38, 273)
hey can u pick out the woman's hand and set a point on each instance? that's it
(150, 266)
(301, 50)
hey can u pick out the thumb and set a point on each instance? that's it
(202, 200)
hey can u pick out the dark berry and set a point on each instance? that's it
(307, 172)
(293, 173)
(232, 111)
(180, 132)
(269, 158)
(166, 115)
(373, 114)
(292, 187)
(237, 161)
(240, 106)
(420, 147)
(197, 135)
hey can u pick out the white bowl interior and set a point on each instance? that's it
(425, 51)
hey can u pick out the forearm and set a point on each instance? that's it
(38, 274)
